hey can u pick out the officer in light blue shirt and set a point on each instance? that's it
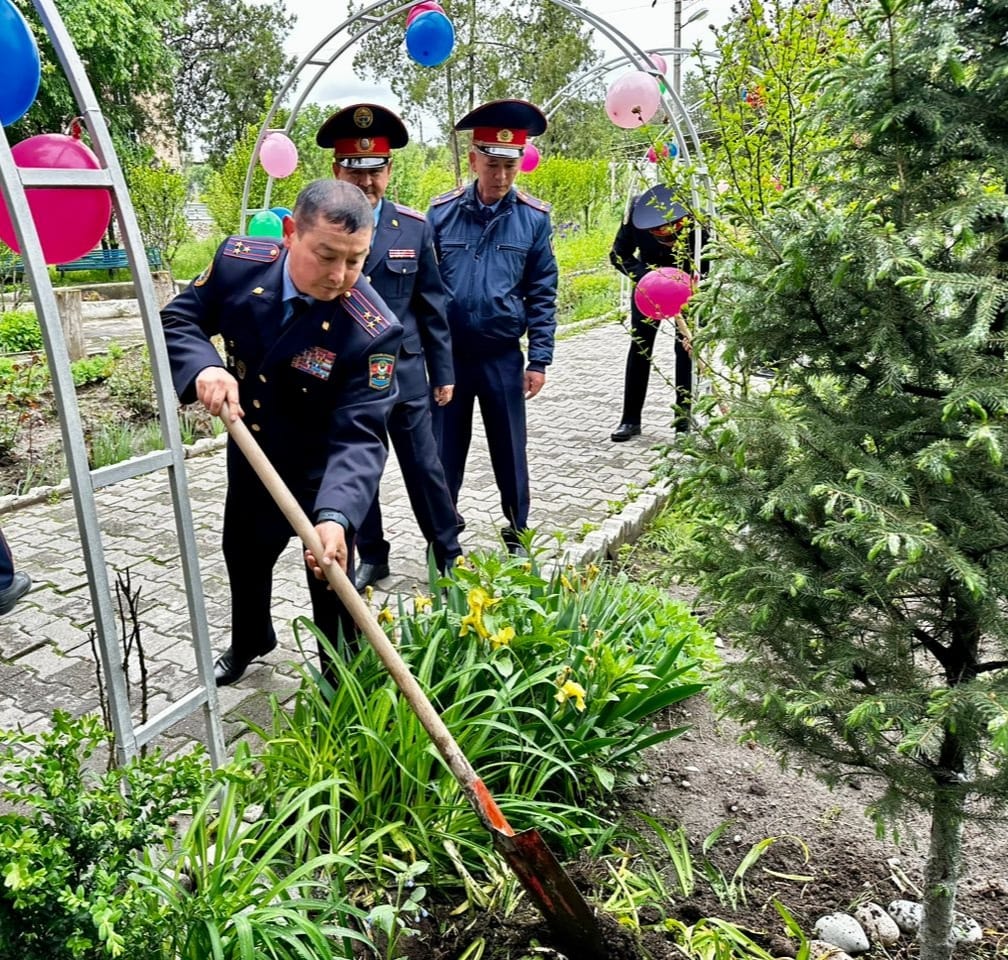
(495, 250)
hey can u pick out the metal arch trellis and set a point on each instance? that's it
(84, 482)
(377, 14)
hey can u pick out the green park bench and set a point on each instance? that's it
(111, 260)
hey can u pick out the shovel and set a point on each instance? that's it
(560, 902)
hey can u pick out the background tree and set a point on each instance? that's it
(756, 94)
(159, 196)
(502, 50)
(224, 188)
(853, 515)
(231, 59)
(121, 43)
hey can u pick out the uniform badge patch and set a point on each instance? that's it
(380, 368)
(204, 276)
(315, 361)
(402, 253)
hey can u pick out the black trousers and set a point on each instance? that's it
(497, 381)
(255, 534)
(6, 564)
(411, 432)
(638, 371)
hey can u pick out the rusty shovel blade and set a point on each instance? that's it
(571, 919)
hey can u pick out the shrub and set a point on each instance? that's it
(68, 849)
(19, 332)
(133, 383)
(586, 296)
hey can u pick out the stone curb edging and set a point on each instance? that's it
(60, 490)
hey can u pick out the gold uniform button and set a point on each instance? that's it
(262, 377)
(256, 428)
(256, 404)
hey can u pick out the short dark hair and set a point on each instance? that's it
(336, 201)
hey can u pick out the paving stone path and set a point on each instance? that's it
(580, 482)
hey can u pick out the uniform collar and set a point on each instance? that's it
(289, 290)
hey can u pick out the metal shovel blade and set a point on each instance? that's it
(573, 923)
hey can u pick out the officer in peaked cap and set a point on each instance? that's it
(310, 351)
(657, 233)
(495, 251)
(402, 267)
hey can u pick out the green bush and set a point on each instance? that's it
(69, 847)
(192, 257)
(96, 368)
(19, 332)
(586, 296)
(132, 383)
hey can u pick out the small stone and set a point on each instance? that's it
(666, 779)
(907, 915)
(692, 769)
(843, 931)
(644, 778)
(966, 929)
(757, 789)
(821, 950)
(877, 924)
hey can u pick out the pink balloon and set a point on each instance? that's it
(662, 293)
(530, 159)
(426, 6)
(69, 222)
(278, 155)
(659, 62)
(633, 99)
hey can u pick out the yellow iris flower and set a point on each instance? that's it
(479, 601)
(571, 690)
(385, 615)
(501, 638)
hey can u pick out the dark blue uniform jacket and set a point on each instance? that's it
(403, 267)
(316, 393)
(501, 273)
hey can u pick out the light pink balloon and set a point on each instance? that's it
(530, 159)
(662, 293)
(278, 155)
(633, 99)
(659, 62)
(69, 222)
(426, 6)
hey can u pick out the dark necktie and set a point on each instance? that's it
(293, 309)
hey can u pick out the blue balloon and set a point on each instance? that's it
(430, 39)
(22, 69)
(281, 212)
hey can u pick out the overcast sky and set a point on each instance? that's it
(648, 26)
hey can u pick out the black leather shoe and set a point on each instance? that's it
(19, 586)
(624, 432)
(368, 574)
(510, 537)
(229, 668)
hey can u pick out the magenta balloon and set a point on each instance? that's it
(530, 159)
(662, 293)
(426, 6)
(632, 99)
(278, 155)
(659, 62)
(69, 222)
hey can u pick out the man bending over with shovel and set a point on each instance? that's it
(310, 352)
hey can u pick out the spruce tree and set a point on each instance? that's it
(852, 508)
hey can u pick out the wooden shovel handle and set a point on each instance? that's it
(457, 762)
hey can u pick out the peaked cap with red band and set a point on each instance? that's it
(501, 127)
(363, 135)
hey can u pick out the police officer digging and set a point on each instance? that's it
(494, 246)
(310, 357)
(402, 268)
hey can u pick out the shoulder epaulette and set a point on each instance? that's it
(450, 195)
(365, 312)
(409, 212)
(252, 248)
(534, 202)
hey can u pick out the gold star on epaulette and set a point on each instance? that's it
(241, 247)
